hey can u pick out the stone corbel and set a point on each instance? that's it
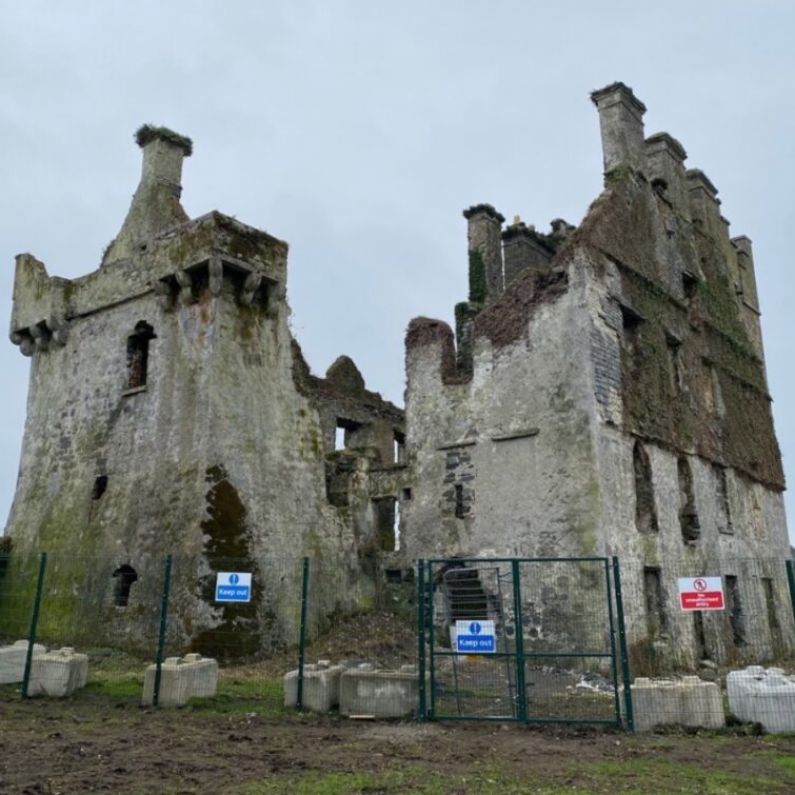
(59, 328)
(27, 347)
(216, 275)
(163, 293)
(276, 295)
(186, 287)
(250, 285)
(40, 337)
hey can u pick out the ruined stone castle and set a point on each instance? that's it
(603, 393)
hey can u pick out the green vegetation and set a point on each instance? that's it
(632, 776)
(148, 133)
(477, 278)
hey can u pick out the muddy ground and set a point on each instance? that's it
(73, 747)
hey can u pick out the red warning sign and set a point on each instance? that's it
(701, 593)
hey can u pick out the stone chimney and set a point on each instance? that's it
(155, 205)
(621, 124)
(665, 158)
(704, 203)
(486, 281)
(523, 248)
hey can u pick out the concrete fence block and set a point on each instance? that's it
(321, 686)
(181, 679)
(380, 694)
(689, 701)
(12, 661)
(58, 673)
(765, 696)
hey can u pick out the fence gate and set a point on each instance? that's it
(536, 640)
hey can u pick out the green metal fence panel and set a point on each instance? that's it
(544, 648)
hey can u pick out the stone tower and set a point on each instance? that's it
(171, 411)
(604, 393)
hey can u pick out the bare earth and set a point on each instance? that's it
(49, 747)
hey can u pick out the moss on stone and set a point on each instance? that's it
(149, 132)
(477, 278)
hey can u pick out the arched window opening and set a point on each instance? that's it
(138, 354)
(645, 509)
(125, 576)
(688, 516)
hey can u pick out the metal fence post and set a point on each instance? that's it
(622, 641)
(431, 632)
(521, 690)
(612, 629)
(34, 623)
(421, 639)
(161, 637)
(299, 697)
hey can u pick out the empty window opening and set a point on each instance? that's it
(344, 433)
(630, 319)
(735, 610)
(645, 510)
(725, 524)
(393, 576)
(125, 576)
(656, 618)
(386, 522)
(399, 448)
(689, 285)
(406, 493)
(688, 516)
(674, 347)
(100, 487)
(772, 615)
(138, 355)
(396, 527)
(460, 505)
(713, 397)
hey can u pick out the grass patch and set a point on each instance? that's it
(664, 776)
(416, 780)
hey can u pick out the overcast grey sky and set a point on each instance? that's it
(358, 131)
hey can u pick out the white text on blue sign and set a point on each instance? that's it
(233, 586)
(475, 637)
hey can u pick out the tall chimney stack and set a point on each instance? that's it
(155, 205)
(621, 124)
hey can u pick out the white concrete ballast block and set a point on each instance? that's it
(688, 701)
(58, 673)
(379, 694)
(182, 679)
(12, 661)
(762, 696)
(321, 691)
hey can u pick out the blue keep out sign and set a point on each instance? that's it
(475, 637)
(233, 586)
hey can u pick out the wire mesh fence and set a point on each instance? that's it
(525, 640)
(709, 638)
(509, 639)
(150, 630)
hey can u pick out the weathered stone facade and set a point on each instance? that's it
(170, 411)
(605, 394)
